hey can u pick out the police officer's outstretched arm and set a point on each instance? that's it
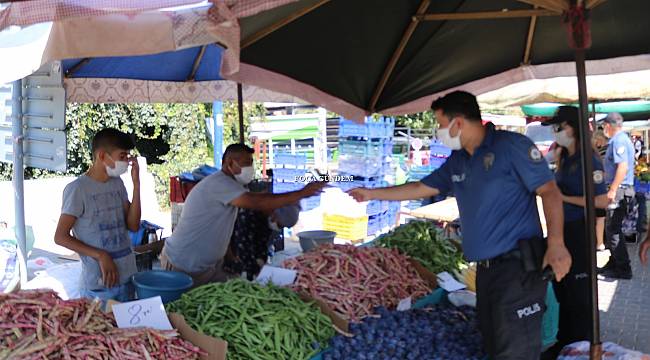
(435, 183)
(535, 175)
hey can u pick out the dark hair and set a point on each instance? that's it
(111, 139)
(236, 149)
(458, 103)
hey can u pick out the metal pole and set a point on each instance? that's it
(240, 108)
(586, 154)
(19, 177)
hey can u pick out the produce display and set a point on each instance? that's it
(442, 332)
(259, 322)
(36, 324)
(424, 242)
(354, 280)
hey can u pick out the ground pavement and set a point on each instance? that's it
(625, 307)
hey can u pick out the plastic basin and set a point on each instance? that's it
(169, 285)
(311, 239)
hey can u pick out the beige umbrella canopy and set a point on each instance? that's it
(602, 88)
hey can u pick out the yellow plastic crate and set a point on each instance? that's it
(348, 228)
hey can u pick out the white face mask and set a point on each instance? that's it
(246, 175)
(273, 226)
(446, 139)
(563, 139)
(120, 168)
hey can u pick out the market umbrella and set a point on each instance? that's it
(392, 57)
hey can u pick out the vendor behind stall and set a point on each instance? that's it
(200, 241)
(97, 210)
(254, 231)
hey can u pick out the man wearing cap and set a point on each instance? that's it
(619, 175)
(252, 237)
(495, 177)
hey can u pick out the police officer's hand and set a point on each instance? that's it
(643, 251)
(558, 257)
(360, 194)
(313, 188)
(611, 195)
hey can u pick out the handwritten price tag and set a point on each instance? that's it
(147, 312)
(404, 304)
(276, 275)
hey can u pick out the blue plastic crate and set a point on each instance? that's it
(373, 207)
(365, 167)
(310, 203)
(287, 174)
(283, 187)
(437, 149)
(369, 183)
(362, 148)
(372, 129)
(284, 158)
(385, 205)
(374, 224)
(436, 162)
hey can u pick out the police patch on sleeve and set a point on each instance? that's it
(598, 177)
(620, 150)
(534, 154)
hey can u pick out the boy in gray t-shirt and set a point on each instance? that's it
(97, 211)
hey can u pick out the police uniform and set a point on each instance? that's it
(620, 149)
(496, 193)
(572, 292)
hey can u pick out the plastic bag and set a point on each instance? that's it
(611, 351)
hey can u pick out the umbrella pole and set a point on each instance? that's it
(240, 110)
(18, 178)
(586, 152)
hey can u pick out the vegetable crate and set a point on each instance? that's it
(437, 149)
(376, 223)
(349, 228)
(284, 158)
(374, 207)
(310, 203)
(369, 182)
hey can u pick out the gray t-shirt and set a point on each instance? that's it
(201, 237)
(101, 223)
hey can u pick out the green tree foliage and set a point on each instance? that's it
(424, 120)
(231, 120)
(177, 129)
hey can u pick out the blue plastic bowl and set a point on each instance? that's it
(169, 285)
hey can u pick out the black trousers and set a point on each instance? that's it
(510, 304)
(614, 239)
(573, 291)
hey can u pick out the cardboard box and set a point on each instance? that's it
(215, 348)
(344, 325)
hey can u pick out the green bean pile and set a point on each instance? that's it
(258, 322)
(422, 241)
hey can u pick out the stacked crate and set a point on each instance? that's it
(438, 154)
(365, 154)
(289, 174)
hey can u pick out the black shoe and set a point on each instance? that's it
(616, 274)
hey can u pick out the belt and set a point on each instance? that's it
(510, 255)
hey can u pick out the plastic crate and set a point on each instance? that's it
(287, 174)
(348, 228)
(373, 207)
(372, 129)
(436, 162)
(310, 203)
(437, 149)
(369, 183)
(284, 158)
(284, 187)
(362, 148)
(364, 167)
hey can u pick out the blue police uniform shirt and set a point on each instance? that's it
(495, 191)
(569, 180)
(620, 149)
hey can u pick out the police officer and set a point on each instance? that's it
(572, 292)
(495, 176)
(619, 175)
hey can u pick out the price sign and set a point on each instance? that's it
(147, 312)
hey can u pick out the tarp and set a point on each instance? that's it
(340, 50)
